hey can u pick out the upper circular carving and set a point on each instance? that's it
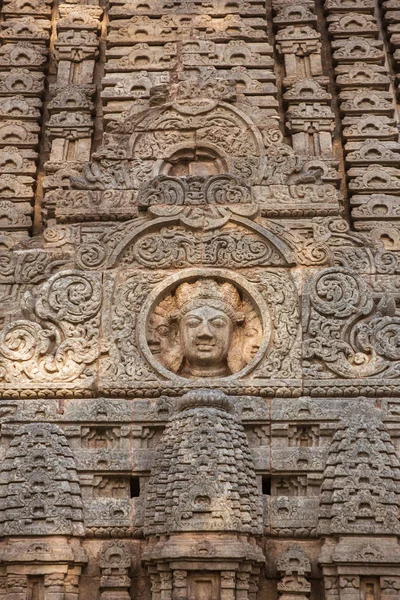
(205, 326)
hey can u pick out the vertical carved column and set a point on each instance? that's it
(180, 582)
(115, 563)
(309, 116)
(17, 587)
(166, 585)
(331, 585)
(228, 585)
(25, 33)
(54, 586)
(155, 584)
(242, 586)
(390, 10)
(367, 104)
(390, 588)
(294, 565)
(72, 584)
(70, 125)
(3, 587)
(254, 583)
(349, 587)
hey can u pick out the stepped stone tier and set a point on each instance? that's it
(200, 300)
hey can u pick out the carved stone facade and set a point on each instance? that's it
(200, 300)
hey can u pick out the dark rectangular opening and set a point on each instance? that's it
(35, 589)
(266, 484)
(135, 487)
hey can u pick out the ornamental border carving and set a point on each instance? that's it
(129, 364)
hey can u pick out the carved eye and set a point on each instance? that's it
(193, 322)
(162, 330)
(218, 322)
(251, 332)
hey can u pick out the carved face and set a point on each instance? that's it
(205, 335)
(159, 334)
(204, 328)
(252, 337)
(162, 340)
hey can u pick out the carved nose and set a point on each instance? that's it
(205, 332)
(153, 343)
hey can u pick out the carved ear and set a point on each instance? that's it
(235, 356)
(172, 359)
(175, 358)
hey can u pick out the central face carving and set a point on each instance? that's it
(205, 335)
(204, 329)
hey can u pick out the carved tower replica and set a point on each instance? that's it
(200, 300)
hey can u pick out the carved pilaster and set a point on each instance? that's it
(24, 54)
(17, 586)
(228, 585)
(54, 586)
(180, 585)
(165, 585)
(310, 119)
(242, 586)
(155, 583)
(115, 564)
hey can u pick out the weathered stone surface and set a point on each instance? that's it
(360, 492)
(40, 489)
(199, 283)
(203, 432)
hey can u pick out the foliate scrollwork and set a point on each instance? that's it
(340, 294)
(314, 253)
(346, 333)
(176, 247)
(191, 191)
(125, 359)
(382, 334)
(69, 296)
(201, 324)
(204, 217)
(279, 291)
(163, 190)
(30, 267)
(91, 255)
(57, 338)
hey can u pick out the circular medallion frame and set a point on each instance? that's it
(168, 286)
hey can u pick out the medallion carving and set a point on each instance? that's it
(200, 324)
(204, 329)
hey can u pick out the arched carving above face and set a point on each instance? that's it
(204, 329)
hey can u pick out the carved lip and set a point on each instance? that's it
(155, 348)
(204, 347)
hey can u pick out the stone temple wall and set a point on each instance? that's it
(200, 300)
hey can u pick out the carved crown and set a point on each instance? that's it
(222, 296)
